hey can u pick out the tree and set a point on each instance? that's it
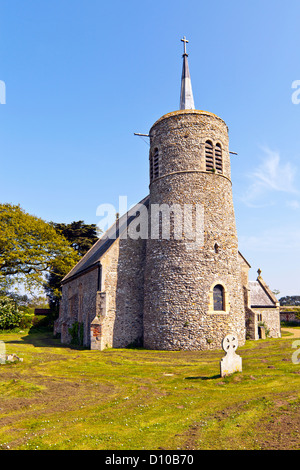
(29, 248)
(276, 292)
(81, 238)
(10, 316)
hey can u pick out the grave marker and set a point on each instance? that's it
(232, 362)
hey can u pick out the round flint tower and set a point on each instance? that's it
(193, 293)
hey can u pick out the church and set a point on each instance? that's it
(168, 275)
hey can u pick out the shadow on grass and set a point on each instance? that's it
(213, 377)
(43, 338)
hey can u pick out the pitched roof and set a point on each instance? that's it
(261, 295)
(244, 259)
(93, 256)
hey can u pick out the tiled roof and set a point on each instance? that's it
(259, 296)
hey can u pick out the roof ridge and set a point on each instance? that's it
(267, 290)
(104, 243)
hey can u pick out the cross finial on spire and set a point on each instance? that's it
(186, 95)
(185, 41)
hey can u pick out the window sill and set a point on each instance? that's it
(218, 312)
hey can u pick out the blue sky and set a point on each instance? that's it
(82, 76)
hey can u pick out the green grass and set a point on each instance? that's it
(66, 398)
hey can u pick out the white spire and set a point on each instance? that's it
(186, 95)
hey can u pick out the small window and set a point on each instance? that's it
(218, 159)
(209, 155)
(219, 297)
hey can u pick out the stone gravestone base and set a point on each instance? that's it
(232, 362)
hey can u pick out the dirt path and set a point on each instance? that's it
(294, 331)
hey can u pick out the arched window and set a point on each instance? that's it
(219, 297)
(218, 158)
(154, 164)
(209, 155)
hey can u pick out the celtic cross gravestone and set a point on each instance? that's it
(232, 362)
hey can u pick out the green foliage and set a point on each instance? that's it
(81, 237)
(27, 318)
(41, 323)
(276, 292)
(26, 307)
(267, 331)
(30, 247)
(76, 332)
(10, 316)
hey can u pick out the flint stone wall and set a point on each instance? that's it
(178, 312)
(271, 318)
(78, 304)
(117, 306)
(123, 287)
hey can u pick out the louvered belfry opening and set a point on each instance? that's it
(213, 157)
(154, 165)
(151, 168)
(209, 155)
(218, 158)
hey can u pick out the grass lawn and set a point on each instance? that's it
(126, 399)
